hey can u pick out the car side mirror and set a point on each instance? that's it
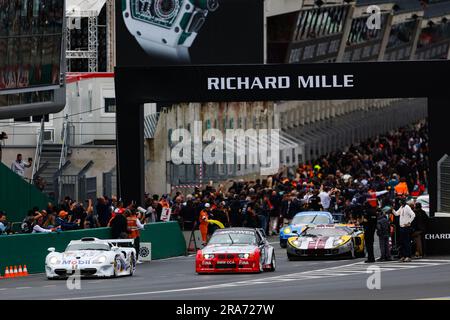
(295, 231)
(51, 249)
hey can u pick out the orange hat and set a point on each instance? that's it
(63, 214)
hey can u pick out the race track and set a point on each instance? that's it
(175, 279)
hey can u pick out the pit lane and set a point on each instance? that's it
(175, 279)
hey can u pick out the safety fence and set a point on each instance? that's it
(31, 249)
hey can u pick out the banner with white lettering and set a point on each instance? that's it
(437, 236)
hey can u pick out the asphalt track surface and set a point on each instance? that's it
(175, 279)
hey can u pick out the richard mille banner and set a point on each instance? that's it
(278, 82)
(177, 32)
(437, 236)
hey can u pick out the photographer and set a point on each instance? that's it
(3, 136)
(19, 165)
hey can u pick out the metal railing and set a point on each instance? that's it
(37, 155)
(65, 143)
(64, 149)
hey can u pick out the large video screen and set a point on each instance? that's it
(176, 32)
(30, 43)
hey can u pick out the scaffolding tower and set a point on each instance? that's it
(90, 10)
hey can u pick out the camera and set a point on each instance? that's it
(3, 135)
(30, 159)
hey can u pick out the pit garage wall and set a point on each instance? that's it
(31, 249)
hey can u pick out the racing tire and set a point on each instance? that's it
(117, 263)
(283, 245)
(260, 265)
(352, 253)
(132, 265)
(291, 257)
(360, 254)
(273, 264)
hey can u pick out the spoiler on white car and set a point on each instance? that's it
(115, 242)
(121, 242)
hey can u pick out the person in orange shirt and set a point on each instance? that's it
(401, 189)
(204, 216)
(133, 229)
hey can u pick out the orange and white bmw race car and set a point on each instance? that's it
(236, 250)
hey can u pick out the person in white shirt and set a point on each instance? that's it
(3, 223)
(19, 165)
(325, 198)
(407, 216)
(38, 228)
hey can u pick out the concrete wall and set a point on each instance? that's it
(104, 158)
(220, 116)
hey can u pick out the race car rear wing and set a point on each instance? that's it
(124, 243)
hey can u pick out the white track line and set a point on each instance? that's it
(306, 275)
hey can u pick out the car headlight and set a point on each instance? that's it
(296, 243)
(338, 242)
(101, 259)
(287, 230)
(208, 256)
(244, 255)
(53, 260)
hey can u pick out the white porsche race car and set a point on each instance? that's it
(92, 257)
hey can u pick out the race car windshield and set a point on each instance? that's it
(323, 232)
(305, 219)
(87, 246)
(232, 238)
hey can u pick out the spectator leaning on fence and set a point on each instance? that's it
(62, 222)
(18, 166)
(39, 226)
(91, 220)
(4, 226)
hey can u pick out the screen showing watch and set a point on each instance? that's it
(166, 28)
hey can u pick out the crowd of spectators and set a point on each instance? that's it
(393, 166)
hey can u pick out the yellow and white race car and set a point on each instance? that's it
(331, 240)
